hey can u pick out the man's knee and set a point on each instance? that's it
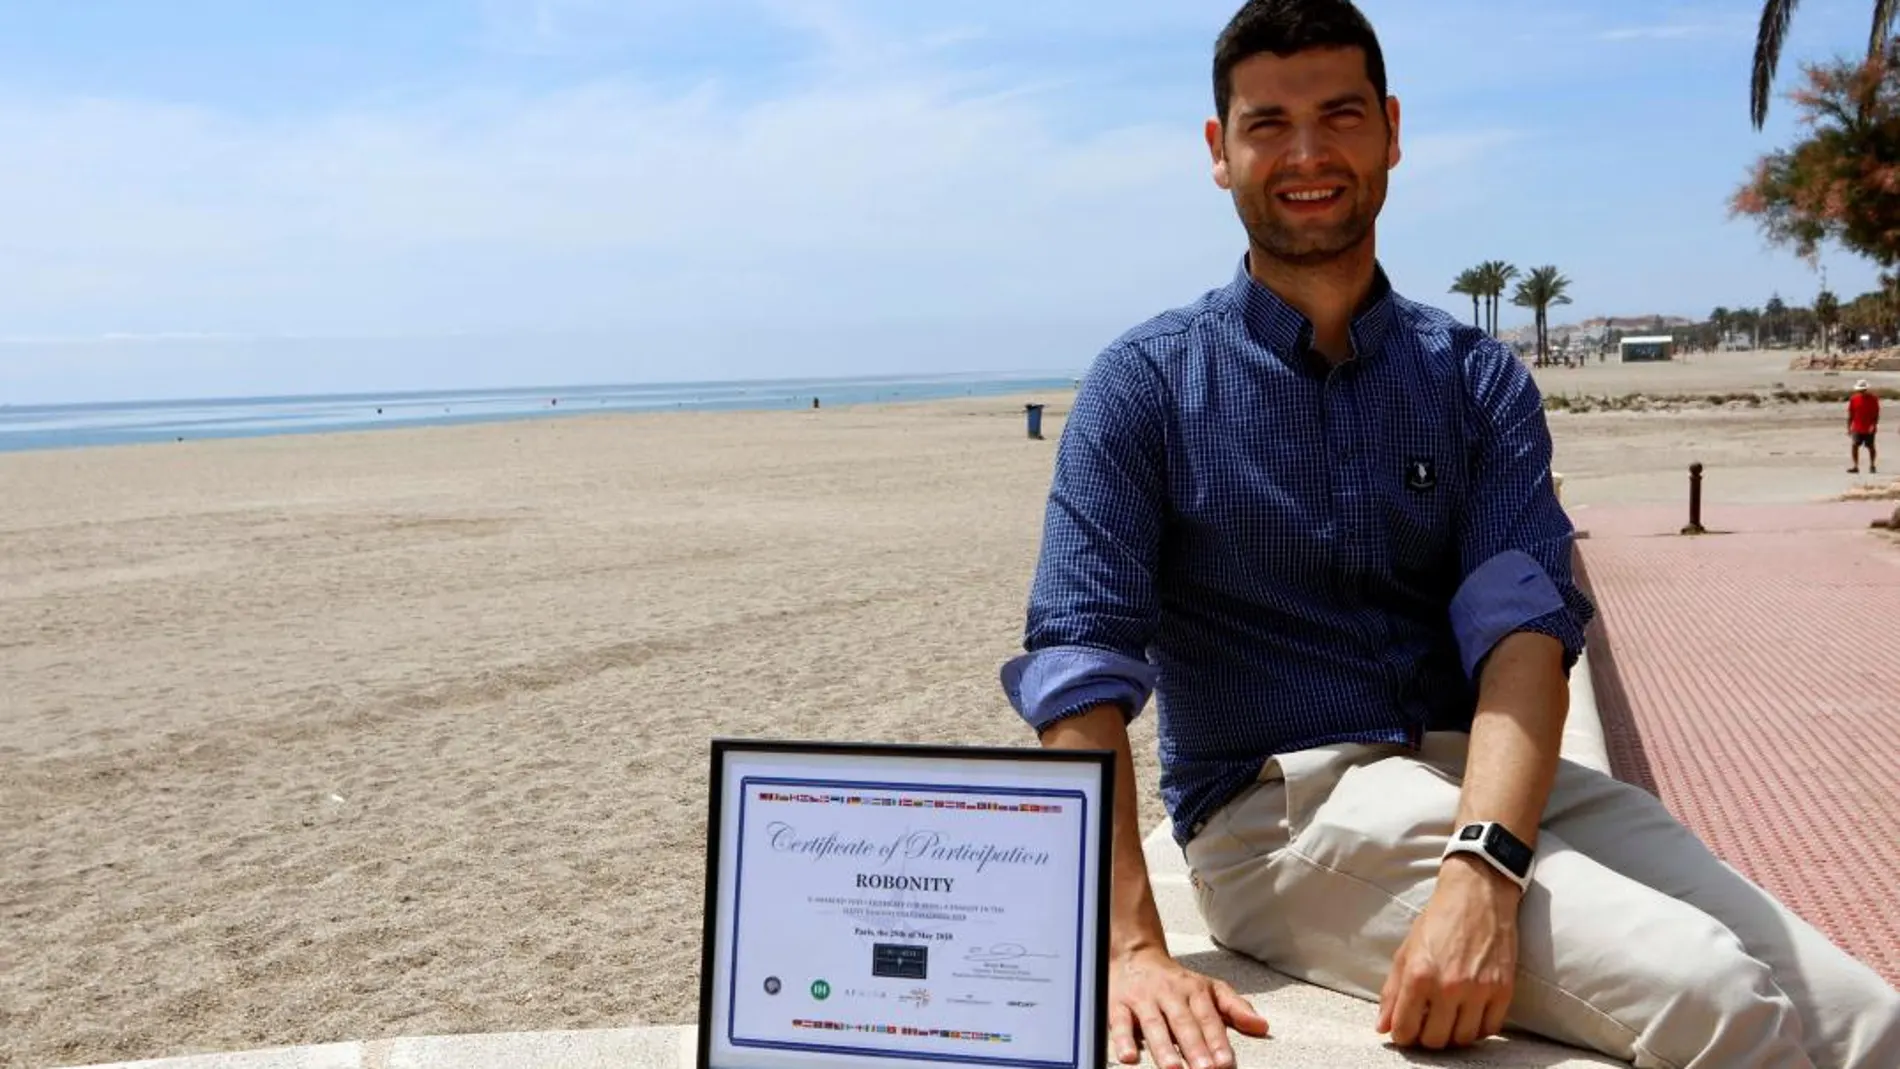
(1697, 999)
(1724, 1008)
(1864, 1027)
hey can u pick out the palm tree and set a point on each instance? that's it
(1470, 284)
(1774, 319)
(1543, 287)
(1496, 274)
(1775, 17)
(1720, 320)
(1827, 312)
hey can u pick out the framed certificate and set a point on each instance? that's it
(879, 905)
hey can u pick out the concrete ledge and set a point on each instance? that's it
(1584, 742)
(1312, 1028)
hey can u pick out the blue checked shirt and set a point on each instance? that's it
(1286, 556)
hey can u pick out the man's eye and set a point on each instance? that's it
(1349, 118)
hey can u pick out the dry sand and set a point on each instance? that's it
(1751, 453)
(350, 736)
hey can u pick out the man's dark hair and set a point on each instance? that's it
(1286, 27)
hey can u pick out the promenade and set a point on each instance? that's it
(1749, 678)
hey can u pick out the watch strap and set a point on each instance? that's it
(1498, 848)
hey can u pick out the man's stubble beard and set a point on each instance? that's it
(1302, 247)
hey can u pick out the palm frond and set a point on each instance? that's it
(1776, 15)
(1884, 13)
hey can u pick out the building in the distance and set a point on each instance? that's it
(1645, 347)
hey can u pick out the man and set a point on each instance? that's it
(1315, 521)
(1863, 422)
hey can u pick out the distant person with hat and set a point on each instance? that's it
(1863, 420)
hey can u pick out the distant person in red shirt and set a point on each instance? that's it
(1863, 420)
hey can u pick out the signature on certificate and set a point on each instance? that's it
(1001, 952)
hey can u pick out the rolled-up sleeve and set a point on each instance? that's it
(1515, 540)
(1092, 604)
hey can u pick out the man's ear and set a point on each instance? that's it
(1217, 149)
(1392, 123)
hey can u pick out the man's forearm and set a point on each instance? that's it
(1517, 734)
(1133, 920)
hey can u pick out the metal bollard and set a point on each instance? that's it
(1695, 501)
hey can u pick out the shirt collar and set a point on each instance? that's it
(1286, 330)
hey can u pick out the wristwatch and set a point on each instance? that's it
(1497, 846)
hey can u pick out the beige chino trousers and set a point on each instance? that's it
(1634, 940)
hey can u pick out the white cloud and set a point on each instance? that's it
(561, 27)
(884, 184)
(554, 209)
(1698, 31)
(598, 204)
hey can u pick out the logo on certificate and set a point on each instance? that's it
(771, 985)
(820, 990)
(900, 962)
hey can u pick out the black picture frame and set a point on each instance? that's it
(1103, 760)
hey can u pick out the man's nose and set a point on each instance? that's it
(1309, 147)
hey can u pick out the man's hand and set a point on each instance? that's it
(1181, 1015)
(1452, 979)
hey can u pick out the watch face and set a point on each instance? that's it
(1507, 848)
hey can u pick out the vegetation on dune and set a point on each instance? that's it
(1644, 402)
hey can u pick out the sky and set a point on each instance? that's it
(236, 198)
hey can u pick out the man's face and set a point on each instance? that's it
(1304, 148)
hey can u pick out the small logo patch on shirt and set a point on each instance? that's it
(1420, 474)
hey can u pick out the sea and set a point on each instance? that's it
(61, 426)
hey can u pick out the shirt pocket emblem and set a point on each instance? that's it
(1421, 474)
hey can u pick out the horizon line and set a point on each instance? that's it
(551, 389)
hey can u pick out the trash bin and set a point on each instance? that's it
(1034, 413)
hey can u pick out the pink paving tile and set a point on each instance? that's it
(1752, 681)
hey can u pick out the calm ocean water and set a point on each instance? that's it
(120, 423)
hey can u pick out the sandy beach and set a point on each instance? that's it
(405, 732)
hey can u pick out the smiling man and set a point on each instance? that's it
(1315, 521)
